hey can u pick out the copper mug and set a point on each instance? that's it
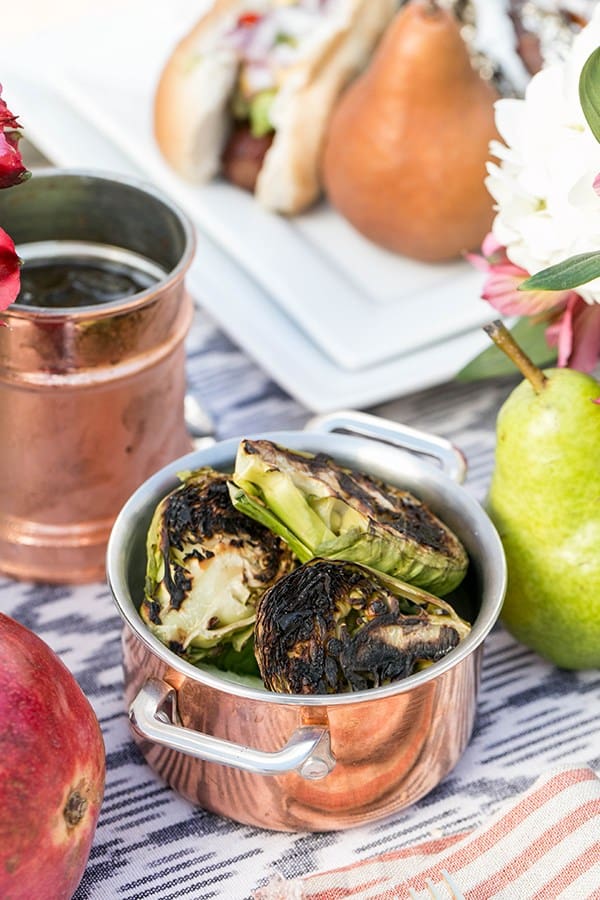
(92, 396)
(300, 762)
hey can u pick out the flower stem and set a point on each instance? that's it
(504, 340)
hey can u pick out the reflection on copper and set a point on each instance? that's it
(74, 444)
(91, 398)
(390, 751)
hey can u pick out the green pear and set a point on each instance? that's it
(544, 499)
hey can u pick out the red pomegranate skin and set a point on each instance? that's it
(52, 768)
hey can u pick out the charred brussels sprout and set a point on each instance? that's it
(323, 510)
(332, 626)
(207, 565)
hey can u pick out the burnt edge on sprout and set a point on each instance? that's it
(331, 626)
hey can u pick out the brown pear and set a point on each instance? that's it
(404, 159)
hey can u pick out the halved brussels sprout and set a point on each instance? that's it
(332, 626)
(324, 510)
(207, 565)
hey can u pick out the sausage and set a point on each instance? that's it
(243, 157)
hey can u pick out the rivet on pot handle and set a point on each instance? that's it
(307, 752)
(451, 459)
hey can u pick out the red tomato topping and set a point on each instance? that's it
(249, 18)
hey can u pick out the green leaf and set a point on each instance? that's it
(589, 92)
(242, 662)
(569, 273)
(493, 363)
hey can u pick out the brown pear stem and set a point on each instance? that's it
(504, 340)
(431, 7)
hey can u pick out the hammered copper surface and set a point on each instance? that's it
(389, 751)
(91, 400)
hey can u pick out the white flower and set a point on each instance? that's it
(547, 208)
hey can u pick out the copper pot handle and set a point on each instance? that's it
(450, 458)
(153, 715)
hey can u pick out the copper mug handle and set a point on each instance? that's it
(450, 458)
(153, 716)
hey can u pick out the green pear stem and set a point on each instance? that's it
(504, 340)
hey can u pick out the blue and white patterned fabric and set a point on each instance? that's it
(150, 843)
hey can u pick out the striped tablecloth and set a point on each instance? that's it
(152, 844)
(544, 844)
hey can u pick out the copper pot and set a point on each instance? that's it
(291, 762)
(91, 397)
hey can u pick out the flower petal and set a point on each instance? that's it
(560, 335)
(577, 335)
(493, 255)
(501, 287)
(12, 170)
(501, 290)
(10, 276)
(8, 121)
(478, 261)
(586, 337)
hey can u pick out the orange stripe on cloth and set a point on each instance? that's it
(517, 838)
(571, 872)
(314, 891)
(485, 839)
(540, 845)
(355, 878)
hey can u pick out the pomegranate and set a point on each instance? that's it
(52, 765)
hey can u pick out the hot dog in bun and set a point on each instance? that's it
(249, 91)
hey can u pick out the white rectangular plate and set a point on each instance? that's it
(241, 304)
(359, 304)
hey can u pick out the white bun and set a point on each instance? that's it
(191, 116)
(190, 104)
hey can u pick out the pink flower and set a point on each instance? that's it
(576, 333)
(10, 279)
(501, 287)
(12, 170)
(574, 324)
